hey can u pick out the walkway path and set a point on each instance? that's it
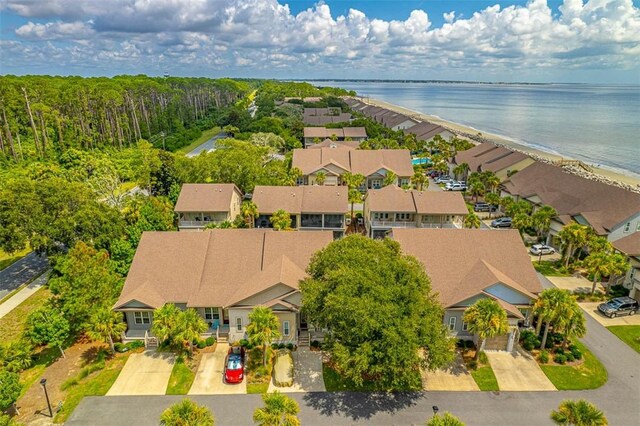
(207, 146)
(11, 303)
(21, 272)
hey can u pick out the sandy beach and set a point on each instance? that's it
(599, 173)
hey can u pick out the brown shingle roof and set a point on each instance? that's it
(217, 267)
(205, 197)
(301, 199)
(604, 206)
(394, 120)
(463, 263)
(392, 198)
(365, 162)
(355, 132)
(488, 156)
(321, 120)
(629, 245)
(425, 130)
(328, 143)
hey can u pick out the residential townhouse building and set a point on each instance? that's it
(311, 207)
(313, 134)
(630, 247)
(200, 204)
(489, 157)
(335, 161)
(393, 207)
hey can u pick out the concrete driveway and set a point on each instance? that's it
(307, 373)
(591, 308)
(577, 284)
(144, 374)
(209, 378)
(517, 372)
(454, 378)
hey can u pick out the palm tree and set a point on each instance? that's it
(578, 413)
(355, 196)
(516, 207)
(165, 321)
(472, 221)
(105, 325)
(278, 410)
(602, 264)
(190, 326)
(354, 181)
(492, 199)
(521, 221)
(491, 181)
(476, 188)
(419, 179)
(573, 324)
(320, 178)
(599, 244)
(281, 220)
(552, 305)
(389, 179)
(187, 413)
(447, 419)
(249, 211)
(461, 170)
(573, 236)
(541, 220)
(263, 328)
(486, 319)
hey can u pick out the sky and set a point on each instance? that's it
(575, 41)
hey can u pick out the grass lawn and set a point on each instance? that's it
(630, 334)
(549, 268)
(206, 135)
(181, 378)
(485, 378)
(334, 382)
(257, 387)
(7, 259)
(591, 374)
(258, 376)
(12, 324)
(97, 383)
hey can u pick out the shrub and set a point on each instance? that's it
(315, 344)
(289, 346)
(244, 343)
(557, 338)
(281, 346)
(72, 381)
(135, 344)
(529, 340)
(576, 353)
(473, 365)
(120, 347)
(483, 358)
(560, 359)
(548, 344)
(559, 351)
(570, 357)
(460, 343)
(274, 346)
(469, 344)
(210, 341)
(544, 357)
(201, 344)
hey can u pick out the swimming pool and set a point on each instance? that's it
(418, 161)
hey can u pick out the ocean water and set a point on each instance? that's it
(598, 124)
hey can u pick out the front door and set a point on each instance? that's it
(225, 317)
(303, 322)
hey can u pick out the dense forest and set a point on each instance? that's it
(43, 116)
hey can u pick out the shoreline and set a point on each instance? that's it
(596, 172)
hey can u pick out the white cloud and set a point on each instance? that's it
(264, 33)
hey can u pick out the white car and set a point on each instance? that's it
(456, 186)
(538, 249)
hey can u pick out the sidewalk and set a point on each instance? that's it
(10, 304)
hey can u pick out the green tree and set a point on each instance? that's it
(573, 324)
(47, 326)
(249, 212)
(486, 319)
(10, 389)
(354, 181)
(521, 221)
(320, 178)
(278, 410)
(493, 199)
(146, 163)
(447, 419)
(389, 179)
(263, 328)
(472, 221)
(552, 306)
(6, 420)
(515, 207)
(86, 281)
(16, 355)
(380, 314)
(573, 236)
(476, 188)
(281, 220)
(105, 325)
(541, 220)
(419, 179)
(578, 413)
(187, 413)
(461, 170)
(491, 181)
(602, 264)
(189, 328)
(599, 244)
(165, 322)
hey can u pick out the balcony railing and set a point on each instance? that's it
(194, 223)
(393, 224)
(448, 225)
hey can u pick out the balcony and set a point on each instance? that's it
(393, 224)
(318, 221)
(445, 225)
(194, 223)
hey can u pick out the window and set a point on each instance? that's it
(300, 180)
(404, 182)
(627, 227)
(638, 227)
(452, 323)
(381, 216)
(376, 183)
(142, 317)
(211, 314)
(239, 324)
(465, 326)
(285, 328)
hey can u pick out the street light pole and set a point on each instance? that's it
(435, 410)
(43, 382)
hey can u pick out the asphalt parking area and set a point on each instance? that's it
(146, 373)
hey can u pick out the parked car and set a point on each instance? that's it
(619, 306)
(433, 174)
(484, 207)
(443, 179)
(501, 222)
(234, 365)
(456, 186)
(538, 249)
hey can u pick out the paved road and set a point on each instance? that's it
(209, 145)
(22, 271)
(14, 301)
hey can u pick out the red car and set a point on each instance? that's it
(234, 365)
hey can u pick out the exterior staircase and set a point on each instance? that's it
(150, 341)
(303, 339)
